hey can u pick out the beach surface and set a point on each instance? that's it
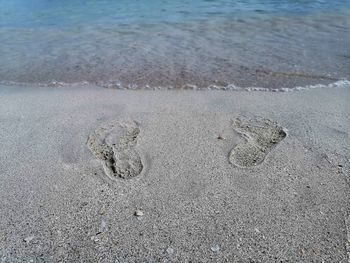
(90, 174)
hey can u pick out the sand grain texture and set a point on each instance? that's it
(58, 204)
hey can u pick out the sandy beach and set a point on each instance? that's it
(100, 175)
(195, 131)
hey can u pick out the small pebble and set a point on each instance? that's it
(138, 213)
(94, 238)
(103, 224)
(220, 137)
(215, 248)
(169, 250)
(28, 239)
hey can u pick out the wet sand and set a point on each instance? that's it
(100, 175)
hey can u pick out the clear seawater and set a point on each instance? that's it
(161, 43)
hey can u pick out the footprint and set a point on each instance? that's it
(115, 145)
(261, 136)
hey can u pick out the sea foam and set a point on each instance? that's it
(117, 85)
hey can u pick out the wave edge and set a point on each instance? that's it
(342, 83)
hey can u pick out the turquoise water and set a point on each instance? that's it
(274, 43)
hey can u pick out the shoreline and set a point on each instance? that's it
(189, 201)
(117, 85)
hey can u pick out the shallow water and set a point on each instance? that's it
(252, 43)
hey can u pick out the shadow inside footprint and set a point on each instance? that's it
(261, 136)
(114, 144)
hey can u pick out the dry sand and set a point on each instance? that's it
(99, 175)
